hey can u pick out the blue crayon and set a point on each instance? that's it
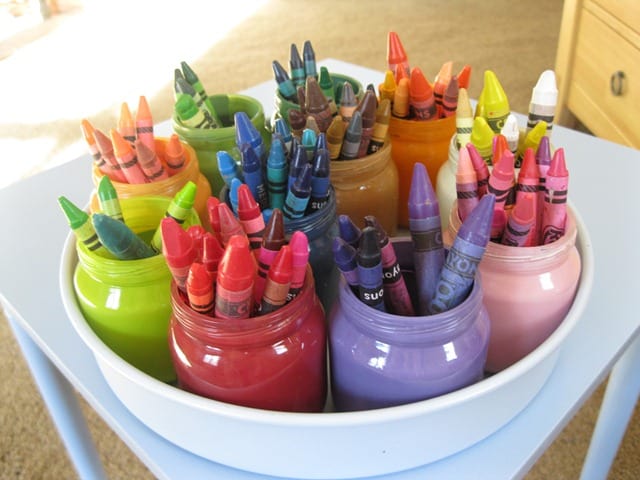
(233, 194)
(297, 163)
(298, 195)
(308, 141)
(321, 142)
(459, 270)
(285, 85)
(227, 166)
(119, 239)
(370, 278)
(283, 129)
(349, 231)
(309, 60)
(426, 233)
(277, 172)
(252, 174)
(246, 132)
(345, 257)
(319, 181)
(296, 67)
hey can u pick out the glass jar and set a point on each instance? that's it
(275, 361)
(527, 291)
(168, 187)
(382, 360)
(368, 186)
(445, 185)
(127, 302)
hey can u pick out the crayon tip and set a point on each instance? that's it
(422, 198)
(545, 91)
(120, 146)
(75, 216)
(395, 50)
(87, 131)
(543, 153)
(558, 166)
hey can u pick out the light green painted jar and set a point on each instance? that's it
(127, 303)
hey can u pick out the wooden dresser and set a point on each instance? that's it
(598, 68)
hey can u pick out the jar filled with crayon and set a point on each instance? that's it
(380, 359)
(275, 361)
(127, 302)
(528, 291)
(189, 171)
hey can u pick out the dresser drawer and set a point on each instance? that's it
(626, 11)
(600, 52)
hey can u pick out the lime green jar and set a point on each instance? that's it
(127, 303)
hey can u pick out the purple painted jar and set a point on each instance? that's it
(382, 360)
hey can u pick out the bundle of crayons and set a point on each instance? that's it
(369, 265)
(411, 95)
(236, 271)
(353, 129)
(129, 153)
(193, 106)
(294, 177)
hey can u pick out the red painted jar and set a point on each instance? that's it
(275, 361)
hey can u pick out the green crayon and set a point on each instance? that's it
(80, 223)
(108, 198)
(178, 209)
(189, 113)
(185, 89)
(119, 239)
(191, 77)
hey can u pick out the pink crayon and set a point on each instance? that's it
(501, 183)
(104, 145)
(481, 168)
(522, 218)
(466, 184)
(299, 244)
(127, 158)
(554, 214)
(528, 181)
(543, 160)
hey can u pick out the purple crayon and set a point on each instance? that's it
(459, 270)
(349, 231)
(426, 233)
(345, 257)
(396, 295)
(554, 213)
(521, 220)
(369, 261)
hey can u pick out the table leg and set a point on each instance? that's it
(59, 396)
(617, 407)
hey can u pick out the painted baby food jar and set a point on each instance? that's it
(527, 291)
(368, 186)
(382, 360)
(275, 361)
(127, 303)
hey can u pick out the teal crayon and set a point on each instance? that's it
(108, 199)
(285, 85)
(119, 239)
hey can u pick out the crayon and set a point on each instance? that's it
(233, 194)
(283, 129)
(348, 102)
(272, 240)
(144, 124)
(178, 249)
(321, 144)
(308, 141)
(309, 60)
(544, 98)
(119, 239)
(482, 138)
(511, 132)
(345, 257)
(193, 105)
(252, 173)
(312, 124)
(285, 85)
(174, 155)
(297, 120)
(521, 221)
(80, 223)
(108, 199)
(277, 172)
(179, 208)
(348, 230)
(246, 132)
(299, 244)
(450, 98)
(352, 136)
(367, 107)
(320, 182)
(481, 169)
(250, 216)
(301, 99)
(236, 277)
(459, 270)
(466, 185)
(381, 126)
(193, 80)
(335, 136)
(528, 182)
(127, 159)
(150, 163)
(440, 84)
(213, 215)
(387, 89)
(554, 213)
(495, 101)
(532, 138)
(422, 102)
(88, 132)
(190, 115)
(212, 252)
(543, 160)
(126, 125)
(200, 291)
(426, 233)
(296, 67)
(296, 165)
(400, 106)
(464, 77)
(464, 118)
(227, 166)
(501, 184)
(499, 145)
(396, 55)
(326, 85)
(278, 282)
(229, 225)
(114, 170)
(396, 295)
(370, 276)
(317, 105)
(298, 195)
(196, 232)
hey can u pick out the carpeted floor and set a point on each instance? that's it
(86, 60)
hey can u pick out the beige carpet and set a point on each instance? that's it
(79, 55)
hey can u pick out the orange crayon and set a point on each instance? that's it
(396, 55)
(464, 77)
(89, 137)
(174, 155)
(144, 124)
(401, 99)
(127, 159)
(149, 162)
(422, 101)
(126, 125)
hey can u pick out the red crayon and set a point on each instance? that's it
(278, 281)
(229, 224)
(299, 244)
(464, 77)
(150, 163)
(178, 249)
(236, 278)
(174, 155)
(421, 98)
(214, 216)
(127, 158)
(144, 124)
(554, 213)
(200, 289)
(528, 181)
(272, 240)
(521, 220)
(396, 56)
(196, 232)
(250, 216)
(212, 252)
(106, 149)
(481, 168)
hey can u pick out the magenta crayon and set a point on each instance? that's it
(200, 289)
(528, 182)
(348, 230)
(197, 232)
(119, 239)
(250, 216)
(440, 83)
(178, 249)
(520, 222)
(543, 160)
(345, 257)
(396, 54)
(554, 214)
(278, 282)
(126, 124)
(396, 294)
(426, 232)
(179, 209)
(174, 155)
(150, 163)
(450, 98)
(108, 199)
(212, 252)
(422, 101)
(272, 240)
(236, 278)
(481, 168)
(466, 185)
(299, 244)
(105, 146)
(127, 158)
(229, 225)
(370, 276)
(144, 124)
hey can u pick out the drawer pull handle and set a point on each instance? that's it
(617, 83)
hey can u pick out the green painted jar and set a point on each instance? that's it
(208, 141)
(127, 303)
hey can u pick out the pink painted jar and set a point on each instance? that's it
(527, 291)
